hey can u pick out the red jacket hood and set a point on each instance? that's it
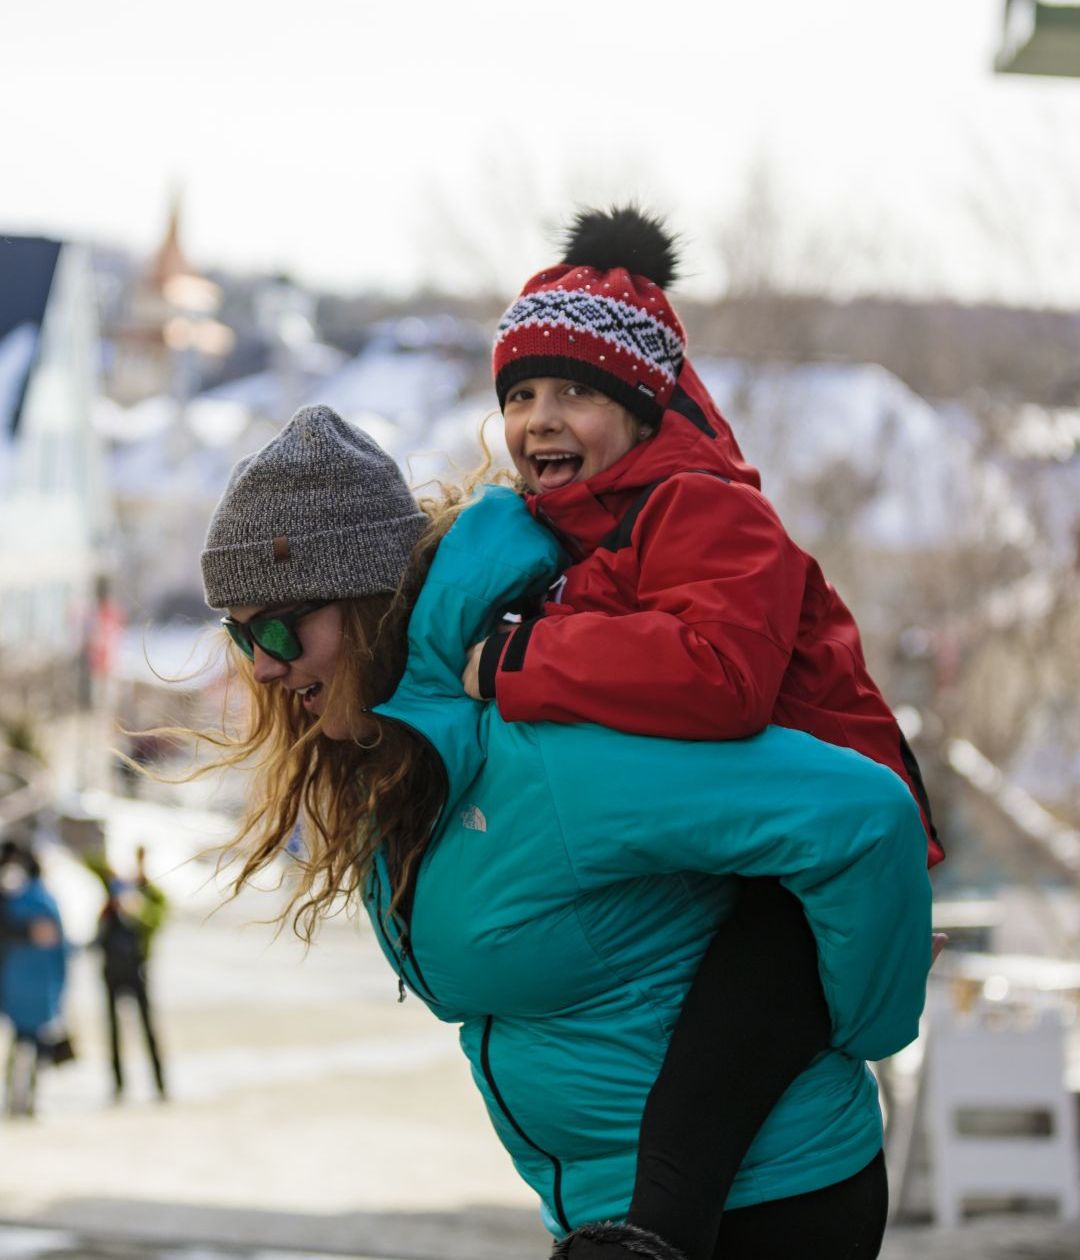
(693, 435)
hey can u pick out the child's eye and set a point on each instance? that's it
(517, 395)
(579, 391)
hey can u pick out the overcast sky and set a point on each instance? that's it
(389, 143)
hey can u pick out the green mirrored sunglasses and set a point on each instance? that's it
(274, 632)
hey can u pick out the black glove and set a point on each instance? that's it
(606, 1240)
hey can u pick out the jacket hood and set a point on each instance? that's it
(693, 435)
(493, 555)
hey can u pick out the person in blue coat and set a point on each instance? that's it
(551, 889)
(32, 972)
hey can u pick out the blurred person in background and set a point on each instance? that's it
(551, 888)
(131, 917)
(33, 972)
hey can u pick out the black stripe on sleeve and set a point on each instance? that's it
(513, 659)
(489, 663)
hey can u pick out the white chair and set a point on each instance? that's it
(988, 1077)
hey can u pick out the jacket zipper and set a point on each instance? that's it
(381, 926)
(402, 952)
(405, 941)
(485, 1065)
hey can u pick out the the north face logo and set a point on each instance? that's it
(473, 819)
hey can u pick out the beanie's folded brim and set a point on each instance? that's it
(334, 564)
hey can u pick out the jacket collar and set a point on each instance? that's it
(493, 554)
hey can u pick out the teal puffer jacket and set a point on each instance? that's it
(576, 876)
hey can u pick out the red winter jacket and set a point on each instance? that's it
(725, 625)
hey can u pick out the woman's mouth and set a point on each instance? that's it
(307, 694)
(559, 468)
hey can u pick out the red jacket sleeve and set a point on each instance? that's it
(719, 588)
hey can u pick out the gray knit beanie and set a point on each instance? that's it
(321, 512)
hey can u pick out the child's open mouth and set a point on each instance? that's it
(555, 469)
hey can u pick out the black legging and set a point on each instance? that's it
(844, 1221)
(753, 1019)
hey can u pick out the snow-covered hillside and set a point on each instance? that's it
(925, 487)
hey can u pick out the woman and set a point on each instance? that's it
(549, 888)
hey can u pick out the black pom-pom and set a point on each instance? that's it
(623, 236)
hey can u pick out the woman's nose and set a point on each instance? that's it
(266, 669)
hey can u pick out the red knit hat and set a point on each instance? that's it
(600, 316)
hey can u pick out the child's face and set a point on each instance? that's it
(560, 431)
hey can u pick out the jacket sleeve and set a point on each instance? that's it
(840, 831)
(705, 642)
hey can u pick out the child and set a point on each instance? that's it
(689, 613)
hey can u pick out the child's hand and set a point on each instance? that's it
(938, 941)
(470, 679)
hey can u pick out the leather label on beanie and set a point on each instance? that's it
(280, 545)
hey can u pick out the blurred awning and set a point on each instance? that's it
(1041, 37)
